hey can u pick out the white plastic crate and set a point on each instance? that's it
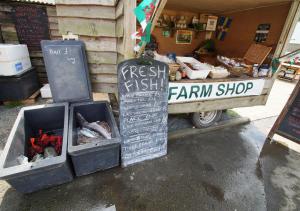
(14, 59)
(201, 69)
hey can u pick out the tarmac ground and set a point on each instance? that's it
(230, 169)
(235, 168)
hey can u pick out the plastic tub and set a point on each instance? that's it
(201, 70)
(14, 59)
(30, 177)
(99, 154)
(19, 87)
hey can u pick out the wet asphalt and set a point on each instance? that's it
(230, 169)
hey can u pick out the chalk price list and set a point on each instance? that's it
(143, 112)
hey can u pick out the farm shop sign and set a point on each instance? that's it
(188, 92)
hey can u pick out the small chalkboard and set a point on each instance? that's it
(288, 123)
(31, 24)
(67, 70)
(143, 98)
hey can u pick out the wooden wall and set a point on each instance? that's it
(244, 25)
(101, 25)
(168, 44)
(240, 35)
(94, 22)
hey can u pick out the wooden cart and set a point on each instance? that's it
(208, 109)
(207, 98)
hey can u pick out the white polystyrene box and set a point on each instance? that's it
(14, 59)
(46, 91)
(202, 69)
(10, 52)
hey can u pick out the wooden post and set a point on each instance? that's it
(130, 28)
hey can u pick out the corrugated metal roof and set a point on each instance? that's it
(52, 2)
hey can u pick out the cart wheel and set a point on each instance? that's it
(206, 119)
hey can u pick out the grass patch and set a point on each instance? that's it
(13, 104)
(232, 113)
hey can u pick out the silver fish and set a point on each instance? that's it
(93, 126)
(88, 133)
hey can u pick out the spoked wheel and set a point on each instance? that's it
(206, 119)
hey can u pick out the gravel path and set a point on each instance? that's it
(7, 119)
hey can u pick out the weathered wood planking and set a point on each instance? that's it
(87, 2)
(120, 45)
(1, 39)
(51, 11)
(54, 33)
(120, 27)
(219, 104)
(129, 17)
(120, 9)
(8, 28)
(37, 62)
(102, 57)
(4, 7)
(10, 37)
(120, 30)
(5, 18)
(37, 54)
(120, 58)
(53, 26)
(104, 78)
(53, 20)
(88, 27)
(100, 43)
(40, 69)
(103, 68)
(86, 11)
(105, 87)
(95, 21)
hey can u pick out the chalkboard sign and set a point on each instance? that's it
(67, 70)
(143, 98)
(288, 123)
(31, 24)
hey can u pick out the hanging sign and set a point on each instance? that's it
(188, 92)
(143, 99)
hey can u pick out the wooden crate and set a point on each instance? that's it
(256, 54)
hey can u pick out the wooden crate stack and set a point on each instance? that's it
(100, 24)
